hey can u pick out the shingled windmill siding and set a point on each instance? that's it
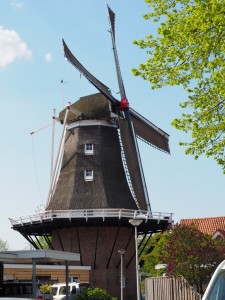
(109, 188)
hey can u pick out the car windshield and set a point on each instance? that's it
(62, 290)
(54, 290)
(217, 291)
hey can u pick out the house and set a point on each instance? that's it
(219, 234)
(44, 265)
(214, 226)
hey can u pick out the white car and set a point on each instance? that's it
(59, 289)
(216, 287)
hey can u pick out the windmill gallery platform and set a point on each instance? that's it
(98, 185)
(97, 235)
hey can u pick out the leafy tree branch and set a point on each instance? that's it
(189, 50)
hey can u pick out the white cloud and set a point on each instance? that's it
(18, 4)
(12, 47)
(48, 57)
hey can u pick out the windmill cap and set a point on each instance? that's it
(95, 106)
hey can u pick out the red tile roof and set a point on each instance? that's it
(206, 225)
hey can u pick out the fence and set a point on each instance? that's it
(169, 288)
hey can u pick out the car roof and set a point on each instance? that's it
(62, 284)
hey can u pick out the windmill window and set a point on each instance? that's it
(89, 149)
(88, 175)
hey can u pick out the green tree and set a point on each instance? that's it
(157, 243)
(43, 242)
(192, 254)
(189, 50)
(3, 245)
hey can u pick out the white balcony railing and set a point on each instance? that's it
(86, 214)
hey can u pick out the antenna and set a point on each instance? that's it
(63, 96)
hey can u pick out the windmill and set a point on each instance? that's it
(131, 124)
(98, 183)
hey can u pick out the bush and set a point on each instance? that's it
(45, 289)
(94, 294)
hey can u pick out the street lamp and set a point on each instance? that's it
(121, 252)
(136, 223)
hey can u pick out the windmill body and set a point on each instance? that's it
(98, 185)
(92, 174)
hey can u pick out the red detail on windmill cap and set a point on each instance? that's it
(124, 104)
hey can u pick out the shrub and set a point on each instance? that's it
(45, 289)
(94, 294)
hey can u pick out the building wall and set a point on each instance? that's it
(98, 247)
(56, 273)
(1, 273)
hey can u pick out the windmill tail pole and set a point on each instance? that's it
(59, 157)
(53, 143)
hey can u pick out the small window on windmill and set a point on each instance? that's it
(88, 175)
(89, 149)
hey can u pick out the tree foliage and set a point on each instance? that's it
(189, 50)
(3, 245)
(190, 253)
(42, 242)
(157, 242)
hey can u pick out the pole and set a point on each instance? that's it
(67, 282)
(121, 277)
(136, 223)
(137, 264)
(121, 252)
(34, 277)
(59, 157)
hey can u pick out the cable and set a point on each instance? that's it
(35, 169)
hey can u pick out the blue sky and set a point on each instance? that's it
(32, 66)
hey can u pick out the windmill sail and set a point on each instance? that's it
(131, 126)
(133, 164)
(144, 129)
(128, 136)
(98, 84)
(149, 133)
(112, 31)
